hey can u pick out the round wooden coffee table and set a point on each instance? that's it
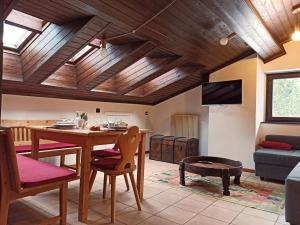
(212, 166)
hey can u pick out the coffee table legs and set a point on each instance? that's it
(226, 183)
(182, 173)
(237, 180)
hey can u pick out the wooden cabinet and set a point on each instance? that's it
(167, 149)
(155, 147)
(180, 149)
(184, 147)
(193, 147)
(172, 149)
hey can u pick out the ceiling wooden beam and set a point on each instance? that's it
(56, 45)
(171, 64)
(244, 20)
(114, 64)
(39, 90)
(8, 5)
(25, 21)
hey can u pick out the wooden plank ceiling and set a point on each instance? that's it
(156, 49)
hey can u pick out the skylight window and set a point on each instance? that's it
(83, 52)
(14, 37)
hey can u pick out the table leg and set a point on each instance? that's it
(35, 142)
(226, 183)
(182, 173)
(237, 180)
(141, 166)
(84, 183)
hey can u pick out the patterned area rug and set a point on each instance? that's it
(252, 192)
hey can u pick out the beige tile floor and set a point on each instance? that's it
(163, 205)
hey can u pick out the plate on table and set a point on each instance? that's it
(63, 126)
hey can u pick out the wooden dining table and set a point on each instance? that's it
(87, 140)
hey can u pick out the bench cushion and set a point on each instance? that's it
(35, 173)
(277, 157)
(44, 147)
(105, 153)
(106, 163)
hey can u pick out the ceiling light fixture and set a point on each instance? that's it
(103, 49)
(224, 41)
(296, 34)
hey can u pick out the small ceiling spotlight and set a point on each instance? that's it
(224, 41)
(296, 34)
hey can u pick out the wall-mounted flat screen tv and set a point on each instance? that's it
(225, 92)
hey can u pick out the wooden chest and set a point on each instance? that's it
(184, 147)
(167, 149)
(155, 147)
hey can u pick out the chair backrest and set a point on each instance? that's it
(128, 144)
(9, 173)
(21, 133)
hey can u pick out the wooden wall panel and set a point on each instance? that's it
(65, 76)
(25, 21)
(52, 11)
(170, 77)
(242, 17)
(56, 45)
(12, 69)
(278, 17)
(139, 71)
(111, 67)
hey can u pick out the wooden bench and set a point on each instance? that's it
(22, 141)
(22, 176)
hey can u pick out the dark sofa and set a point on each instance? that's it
(292, 196)
(277, 164)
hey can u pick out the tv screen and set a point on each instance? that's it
(225, 92)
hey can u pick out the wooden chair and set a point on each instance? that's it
(21, 176)
(22, 134)
(104, 153)
(114, 167)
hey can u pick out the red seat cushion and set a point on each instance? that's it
(44, 147)
(276, 145)
(35, 173)
(106, 163)
(105, 153)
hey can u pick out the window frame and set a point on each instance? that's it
(24, 43)
(269, 98)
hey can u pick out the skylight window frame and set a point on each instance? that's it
(93, 47)
(24, 42)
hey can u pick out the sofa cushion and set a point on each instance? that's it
(35, 173)
(44, 147)
(293, 140)
(277, 157)
(276, 145)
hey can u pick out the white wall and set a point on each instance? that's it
(231, 128)
(188, 102)
(288, 62)
(36, 108)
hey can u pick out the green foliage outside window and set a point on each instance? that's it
(286, 97)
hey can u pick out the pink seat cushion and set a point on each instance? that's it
(105, 153)
(35, 173)
(44, 147)
(106, 163)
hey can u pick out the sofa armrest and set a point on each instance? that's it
(292, 196)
